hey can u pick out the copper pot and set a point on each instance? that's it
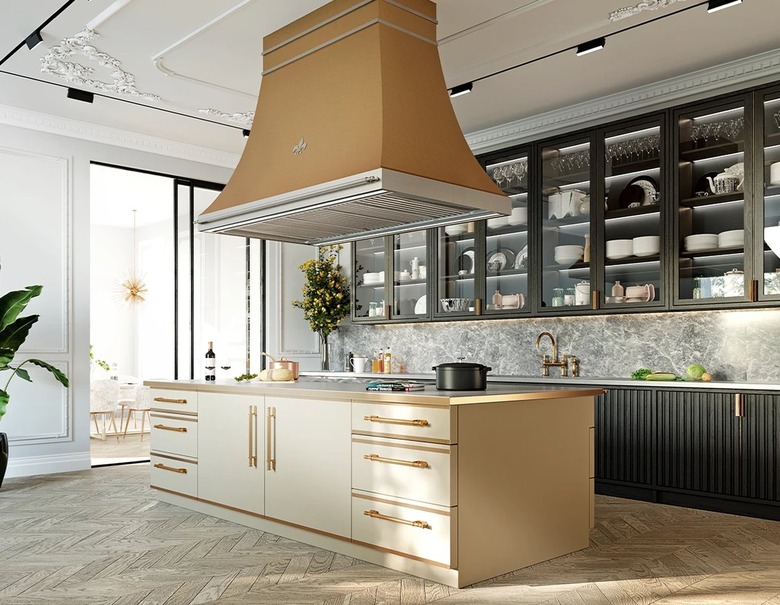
(286, 364)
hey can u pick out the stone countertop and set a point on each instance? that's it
(603, 382)
(353, 388)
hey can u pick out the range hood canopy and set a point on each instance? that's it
(354, 133)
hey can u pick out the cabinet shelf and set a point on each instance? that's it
(627, 167)
(410, 282)
(553, 223)
(708, 200)
(575, 266)
(633, 260)
(508, 230)
(626, 212)
(508, 273)
(772, 139)
(693, 154)
(712, 252)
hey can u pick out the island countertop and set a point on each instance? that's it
(356, 391)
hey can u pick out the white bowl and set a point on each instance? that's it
(519, 216)
(729, 239)
(569, 250)
(646, 245)
(498, 222)
(455, 229)
(619, 248)
(701, 241)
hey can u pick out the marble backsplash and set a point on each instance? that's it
(741, 346)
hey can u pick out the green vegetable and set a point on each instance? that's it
(245, 377)
(695, 371)
(661, 376)
(640, 374)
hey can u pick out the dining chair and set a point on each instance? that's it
(142, 403)
(128, 385)
(103, 398)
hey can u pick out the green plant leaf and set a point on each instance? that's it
(14, 334)
(6, 355)
(13, 303)
(4, 397)
(61, 378)
(23, 374)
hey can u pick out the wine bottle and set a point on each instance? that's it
(211, 364)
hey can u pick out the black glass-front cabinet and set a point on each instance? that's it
(675, 210)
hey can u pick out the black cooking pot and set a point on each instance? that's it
(461, 376)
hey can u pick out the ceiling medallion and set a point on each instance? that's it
(244, 119)
(56, 63)
(648, 5)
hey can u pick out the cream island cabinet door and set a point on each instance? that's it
(308, 451)
(230, 450)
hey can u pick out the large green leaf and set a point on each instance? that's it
(3, 402)
(6, 355)
(13, 303)
(14, 334)
(23, 374)
(61, 378)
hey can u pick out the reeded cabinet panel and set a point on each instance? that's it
(624, 436)
(760, 464)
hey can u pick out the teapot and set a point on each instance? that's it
(642, 293)
(582, 293)
(725, 182)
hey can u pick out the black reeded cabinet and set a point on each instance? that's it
(702, 449)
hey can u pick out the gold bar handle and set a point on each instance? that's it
(739, 405)
(181, 471)
(270, 454)
(253, 436)
(168, 400)
(414, 463)
(375, 514)
(595, 300)
(175, 429)
(415, 422)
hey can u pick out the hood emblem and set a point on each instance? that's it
(298, 149)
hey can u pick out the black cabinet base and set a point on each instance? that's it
(712, 502)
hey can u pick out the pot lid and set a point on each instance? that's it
(461, 365)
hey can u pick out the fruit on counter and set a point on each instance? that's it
(706, 377)
(246, 377)
(640, 374)
(695, 372)
(661, 376)
(276, 375)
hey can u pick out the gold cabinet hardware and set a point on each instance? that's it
(478, 307)
(414, 463)
(595, 300)
(739, 405)
(175, 429)
(168, 400)
(253, 436)
(753, 290)
(415, 422)
(270, 448)
(181, 471)
(375, 514)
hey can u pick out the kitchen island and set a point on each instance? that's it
(454, 486)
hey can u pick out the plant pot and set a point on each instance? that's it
(461, 376)
(3, 456)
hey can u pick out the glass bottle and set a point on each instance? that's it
(211, 364)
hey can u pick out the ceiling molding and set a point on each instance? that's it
(244, 119)
(751, 71)
(647, 5)
(21, 118)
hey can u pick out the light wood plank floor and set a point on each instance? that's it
(101, 537)
(123, 450)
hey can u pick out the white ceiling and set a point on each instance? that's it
(205, 55)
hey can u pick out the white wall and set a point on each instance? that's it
(44, 215)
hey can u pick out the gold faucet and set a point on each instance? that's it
(555, 362)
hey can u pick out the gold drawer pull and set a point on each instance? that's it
(175, 429)
(375, 514)
(415, 422)
(181, 471)
(414, 463)
(167, 400)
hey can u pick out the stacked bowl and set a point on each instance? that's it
(646, 245)
(700, 242)
(619, 248)
(731, 239)
(568, 255)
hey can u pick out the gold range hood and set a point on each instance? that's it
(354, 134)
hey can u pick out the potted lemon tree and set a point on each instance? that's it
(14, 329)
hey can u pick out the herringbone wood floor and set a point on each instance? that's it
(101, 537)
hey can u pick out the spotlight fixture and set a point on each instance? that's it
(245, 132)
(590, 47)
(33, 40)
(461, 89)
(80, 95)
(716, 5)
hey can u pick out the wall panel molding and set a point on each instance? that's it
(48, 408)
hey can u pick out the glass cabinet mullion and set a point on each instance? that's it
(409, 275)
(456, 267)
(767, 248)
(370, 279)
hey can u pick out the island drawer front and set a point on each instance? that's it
(402, 420)
(410, 530)
(174, 434)
(407, 470)
(174, 475)
(175, 401)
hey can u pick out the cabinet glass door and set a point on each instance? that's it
(410, 275)
(506, 241)
(770, 248)
(456, 253)
(566, 209)
(711, 210)
(370, 284)
(633, 227)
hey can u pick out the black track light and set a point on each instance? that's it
(716, 5)
(461, 89)
(592, 46)
(80, 95)
(33, 40)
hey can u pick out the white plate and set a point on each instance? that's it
(421, 307)
(650, 191)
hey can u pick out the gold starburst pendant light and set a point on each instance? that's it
(134, 288)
